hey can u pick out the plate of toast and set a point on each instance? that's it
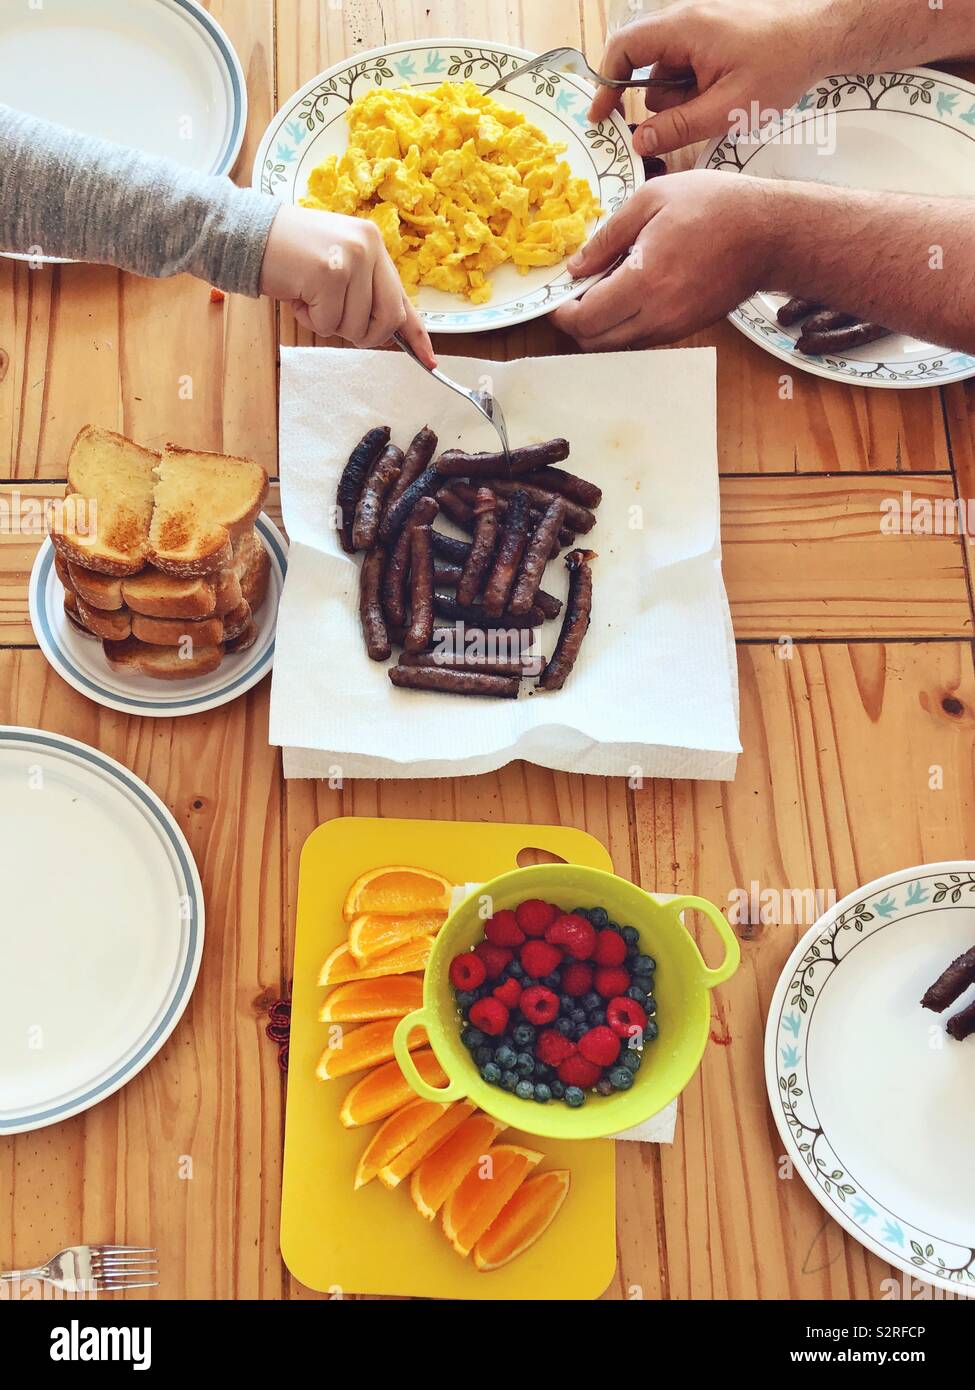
(157, 590)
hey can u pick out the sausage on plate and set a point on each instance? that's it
(575, 625)
(353, 478)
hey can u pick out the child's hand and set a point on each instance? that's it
(339, 280)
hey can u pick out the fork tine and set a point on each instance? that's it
(125, 1258)
(124, 1287)
(124, 1271)
(122, 1250)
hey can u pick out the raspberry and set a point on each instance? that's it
(538, 1004)
(552, 1048)
(467, 971)
(503, 930)
(576, 1071)
(600, 1045)
(534, 916)
(539, 959)
(495, 959)
(610, 949)
(574, 934)
(490, 1015)
(577, 980)
(509, 993)
(625, 1017)
(609, 980)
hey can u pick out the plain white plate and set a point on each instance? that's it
(871, 1097)
(80, 661)
(160, 75)
(312, 125)
(102, 927)
(907, 132)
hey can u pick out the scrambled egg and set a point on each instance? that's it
(457, 184)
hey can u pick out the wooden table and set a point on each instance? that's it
(855, 655)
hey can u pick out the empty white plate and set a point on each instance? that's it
(102, 927)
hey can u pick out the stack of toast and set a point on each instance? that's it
(158, 553)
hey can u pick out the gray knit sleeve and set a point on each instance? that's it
(65, 194)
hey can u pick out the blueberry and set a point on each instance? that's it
(651, 1031)
(613, 926)
(597, 1018)
(644, 965)
(472, 1037)
(509, 1080)
(553, 981)
(491, 1073)
(582, 912)
(564, 1026)
(621, 1078)
(525, 1065)
(514, 970)
(525, 1090)
(604, 1086)
(631, 1058)
(483, 1054)
(579, 1030)
(557, 1088)
(574, 1097)
(631, 936)
(505, 1056)
(465, 998)
(523, 1035)
(566, 1003)
(542, 1092)
(591, 1001)
(543, 1072)
(599, 917)
(635, 992)
(578, 1016)
(651, 1005)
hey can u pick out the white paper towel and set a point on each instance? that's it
(654, 693)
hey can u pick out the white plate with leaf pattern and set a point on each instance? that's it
(874, 1102)
(311, 126)
(908, 132)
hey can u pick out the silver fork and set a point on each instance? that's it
(481, 400)
(571, 60)
(102, 1268)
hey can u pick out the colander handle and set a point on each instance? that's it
(732, 957)
(454, 1090)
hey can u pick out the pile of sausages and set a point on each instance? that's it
(518, 514)
(948, 988)
(827, 330)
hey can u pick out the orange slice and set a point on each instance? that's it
(403, 1164)
(372, 936)
(385, 1089)
(399, 891)
(523, 1220)
(477, 1200)
(341, 966)
(401, 1129)
(360, 1001)
(362, 1047)
(442, 1171)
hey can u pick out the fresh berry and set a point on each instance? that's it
(467, 971)
(635, 992)
(553, 981)
(542, 1092)
(574, 935)
(591, 1001)
(599, 917)
(540, 959)
(509, 1080)
(631, 936)
(491, 1073)
(543, 1072)
(604, 1087)
(465, 998)
(509, 993)
(609, 980)
(505, 1056)
(515, 970)
(574, 1096)
(631, 1058)
(622, 1078)
(576, 980)
(525, 1090)
(495, 958)
(490, 1015)
(576, 1071)
(623, 1015)
(553, 1048)
(579, 1016)
(600, 1045)
(644, 965)
(564, 1025)
(483, 1054)
(503, 930)
(472, 1037)
(538, 1004)
(596, 1017)
(523, 1035)
(650, 1031)
(610, 949)
(579, 1031)
(558, 1089)
(525, 1064)
(534, 916)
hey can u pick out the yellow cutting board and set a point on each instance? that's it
(374, 1241)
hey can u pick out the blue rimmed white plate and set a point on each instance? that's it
(160, 75)
(311, 125)
(79, 659)
(908, 132)
(871, 1097)
(102, 930)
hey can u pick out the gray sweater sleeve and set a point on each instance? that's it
(66, 194)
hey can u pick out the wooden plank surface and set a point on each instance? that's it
(839, 732)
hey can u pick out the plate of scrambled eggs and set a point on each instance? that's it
(481, 200)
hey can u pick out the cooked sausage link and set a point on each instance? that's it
(369, 508)
(482, 550)
(370, 607)
(456, 464)
(841, 339)
(459, 511)
(511, 547)
(575, 625)
(398, 565)
(417, 460)
(448, 661)
(579, 519)
(454, 682)
(420, 632)
(450, 548)
(536, 557)
(478, 617)
(567, 485)
(952, 984)
(394, 517)
(794, 310)
(353, 478)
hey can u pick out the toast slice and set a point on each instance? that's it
(137, 658)
(229, 596)
(236, 622)
(72, 614)
(246, 639)
(253, 566)
(113, 624)
(104, 522)
(203, 503)
(100, 590)
(175, 632)
(158, 595)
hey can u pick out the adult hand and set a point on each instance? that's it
(338, 278)
(740, 51)
(698, 245)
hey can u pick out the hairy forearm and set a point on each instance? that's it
(871, 35)
(901, 260)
